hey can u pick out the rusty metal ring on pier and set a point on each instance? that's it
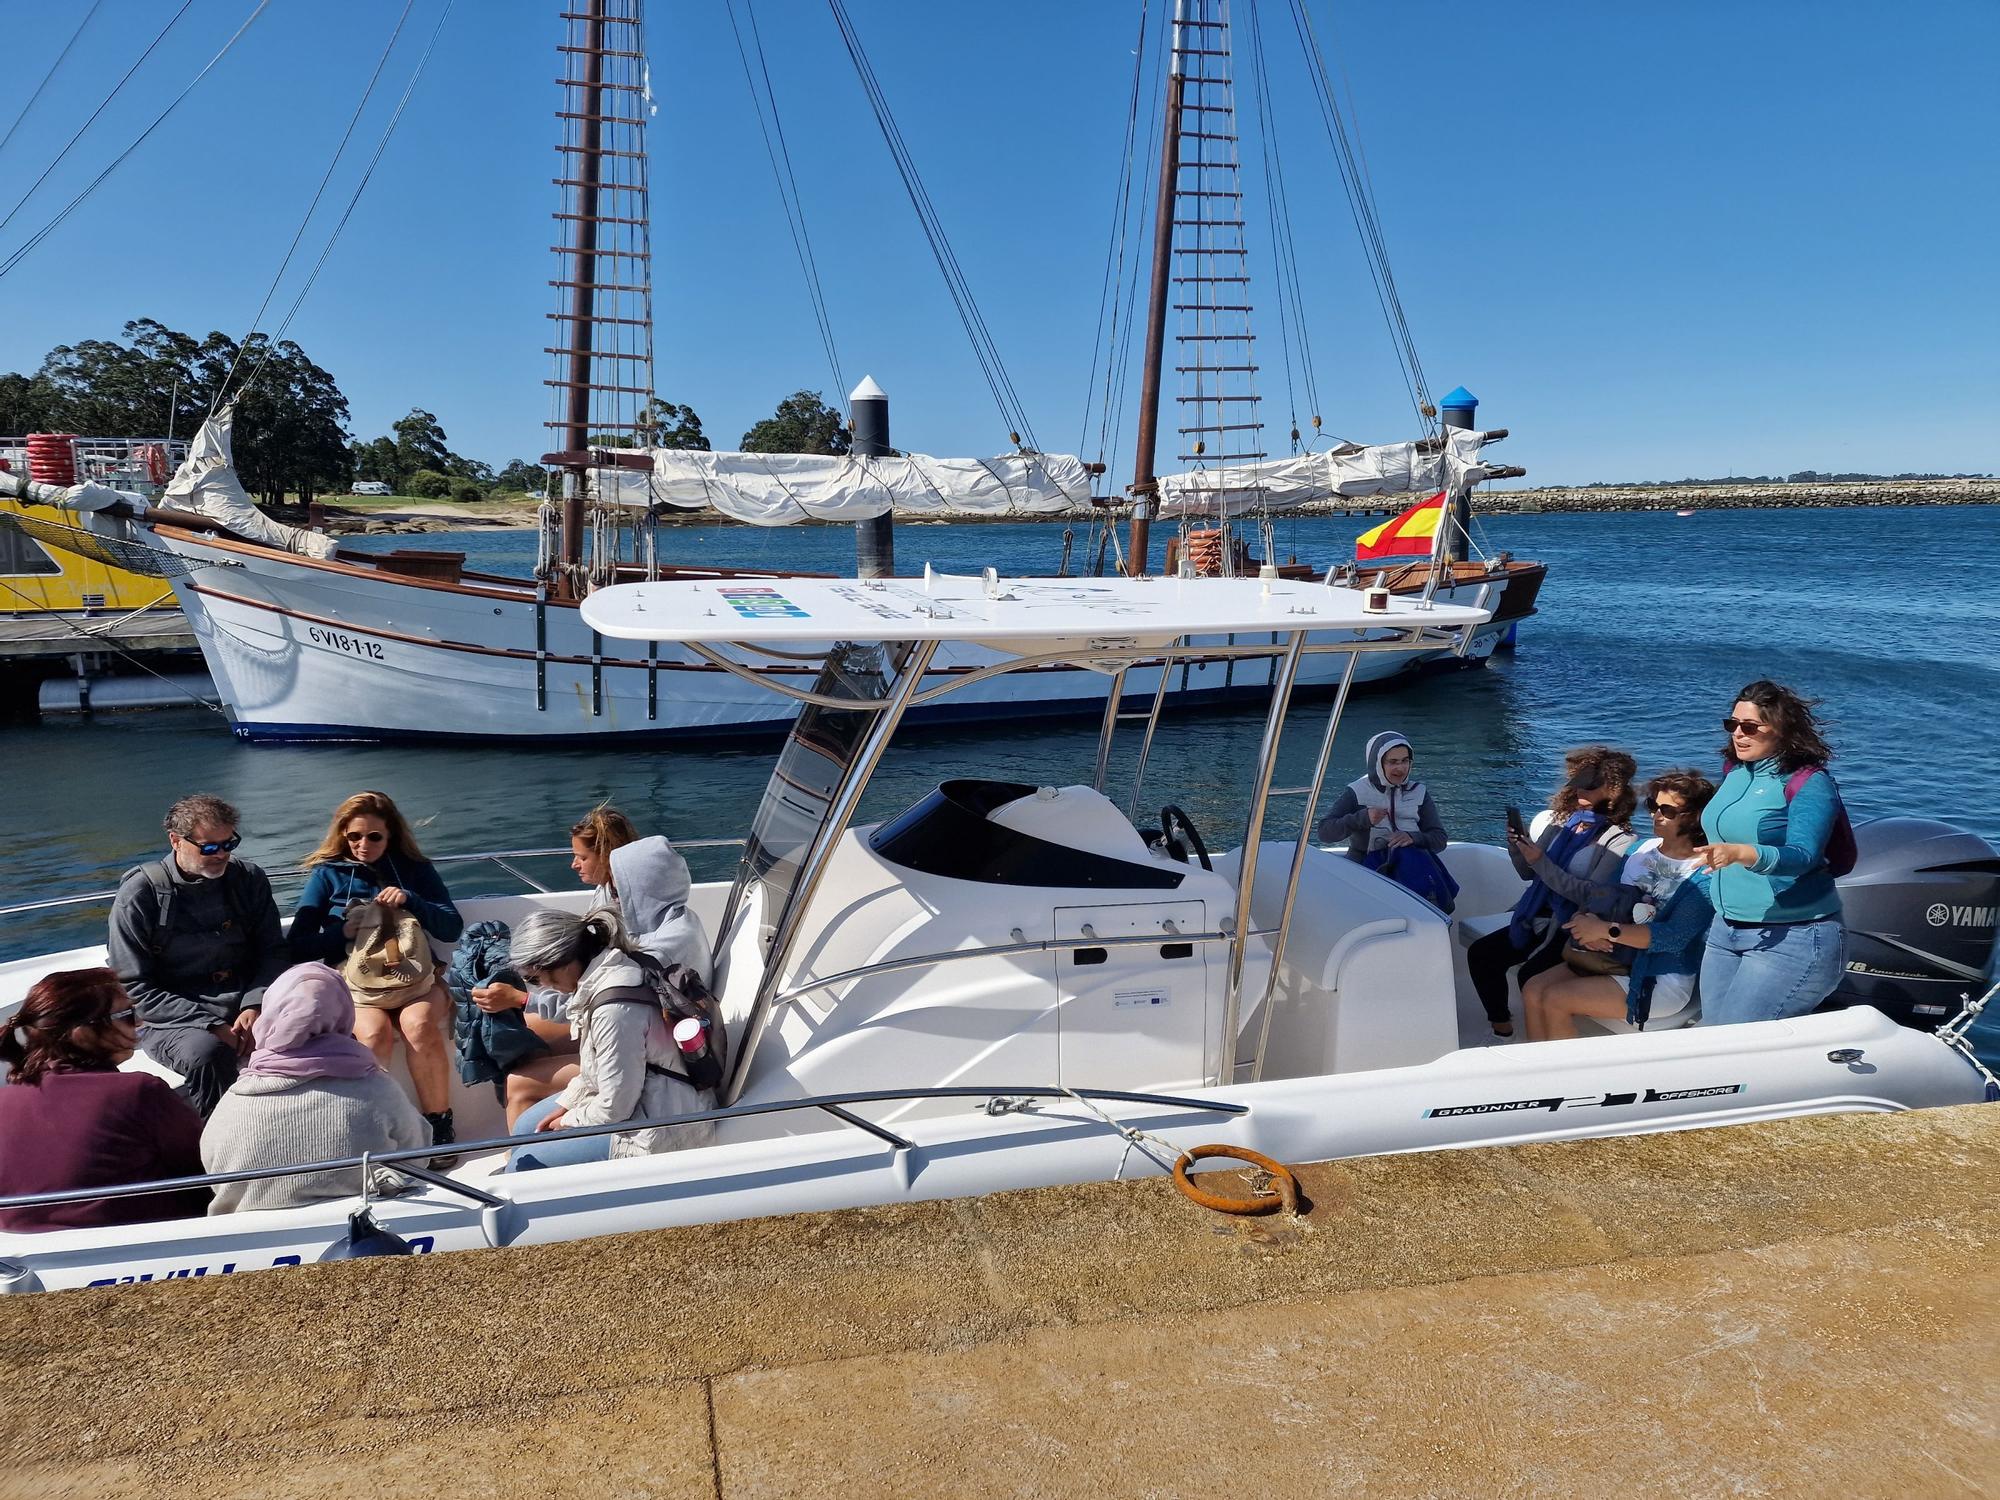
(1283, 1192)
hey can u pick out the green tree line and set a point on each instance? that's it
(291, 431)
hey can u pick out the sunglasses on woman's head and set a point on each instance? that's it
(217, 846)
(365, 838)
(1743, 726)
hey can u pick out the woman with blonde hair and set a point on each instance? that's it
(369, 870)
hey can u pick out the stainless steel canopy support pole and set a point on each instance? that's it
(812, 869)
(1298, 866)
(1109, 729)
(1253, 837)
(1152, 725)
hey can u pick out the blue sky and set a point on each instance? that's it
(1687, 239)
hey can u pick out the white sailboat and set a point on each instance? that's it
(999, 986)
(306, 641)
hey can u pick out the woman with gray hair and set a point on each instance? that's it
(628, 1067)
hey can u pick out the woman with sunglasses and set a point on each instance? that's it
(369, 854)
(1776, 948)
(70, 1119)
(1665, 887)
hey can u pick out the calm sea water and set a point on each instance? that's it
(1648, 625)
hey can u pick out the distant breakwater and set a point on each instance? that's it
(1817, 496)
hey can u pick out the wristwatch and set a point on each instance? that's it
(1612, 930)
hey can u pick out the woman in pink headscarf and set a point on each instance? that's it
(309, 1092)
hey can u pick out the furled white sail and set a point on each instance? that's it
(1351, 473)
(780, 489)
(206, 483)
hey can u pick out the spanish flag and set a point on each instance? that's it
(1412, 534)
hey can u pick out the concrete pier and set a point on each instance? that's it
(1802, 1308)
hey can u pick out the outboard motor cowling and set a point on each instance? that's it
(1920, 906)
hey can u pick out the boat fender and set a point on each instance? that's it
(1282, 1192)
(366, 1238)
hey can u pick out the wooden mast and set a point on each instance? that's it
(603, 375)
(583, 296)
(1145, 486)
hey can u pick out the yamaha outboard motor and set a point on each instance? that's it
(1920, 905)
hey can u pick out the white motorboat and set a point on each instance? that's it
(1009, 986)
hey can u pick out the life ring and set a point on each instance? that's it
(154, 457)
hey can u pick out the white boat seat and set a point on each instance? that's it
(1688, 1015)
(1470, 930)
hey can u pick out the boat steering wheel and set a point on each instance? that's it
(1171, 818)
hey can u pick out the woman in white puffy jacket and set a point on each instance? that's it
(627, 1065)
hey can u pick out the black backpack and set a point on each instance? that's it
(682, 996)
(235, 878)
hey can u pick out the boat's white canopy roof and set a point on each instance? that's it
(1013, 614)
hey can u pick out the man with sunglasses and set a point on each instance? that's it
(195, 938)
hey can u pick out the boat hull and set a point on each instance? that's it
(1638, 1084)
(312, 650)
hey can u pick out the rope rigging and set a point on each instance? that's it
(1292, 324)
(1111, 288)
(96, 182)
(1367, 221)
(46, 77)
(985, 350)
(116, 89)
(311, 208)
(1117, 297)
(788, 184)
(360, 187)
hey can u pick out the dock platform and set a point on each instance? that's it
(1800, 1308)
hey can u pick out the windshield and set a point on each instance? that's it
(816, 759)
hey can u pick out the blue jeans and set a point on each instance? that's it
(555, 1152)
(1769, 973)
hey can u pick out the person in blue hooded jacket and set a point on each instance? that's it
(1777, 945)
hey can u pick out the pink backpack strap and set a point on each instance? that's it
(1799, 778)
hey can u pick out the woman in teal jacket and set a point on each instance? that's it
(1776, 948)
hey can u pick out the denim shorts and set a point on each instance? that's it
(1770, 973)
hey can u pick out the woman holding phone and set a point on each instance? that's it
(1573, 864)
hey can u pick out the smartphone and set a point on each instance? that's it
(1515, 827)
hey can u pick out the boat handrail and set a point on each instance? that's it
(492, 856)
(833, 1104)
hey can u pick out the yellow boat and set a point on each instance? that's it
(64, 592)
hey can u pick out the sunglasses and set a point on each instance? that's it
(1743, 726)
(364, 838)
(217, 846)
(1665, 809)
(129, 1013)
